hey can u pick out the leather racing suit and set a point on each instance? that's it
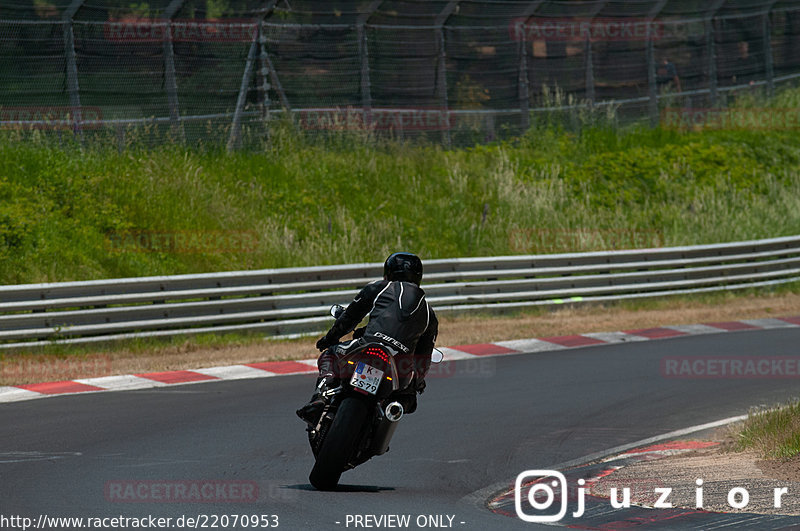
(399, 316)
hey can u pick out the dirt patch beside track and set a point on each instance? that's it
(720, 471)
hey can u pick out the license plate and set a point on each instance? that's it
(367, 378)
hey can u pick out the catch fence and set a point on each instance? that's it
(459, 71)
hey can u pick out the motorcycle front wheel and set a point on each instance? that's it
(339, 444)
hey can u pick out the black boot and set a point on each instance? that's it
(312, 411)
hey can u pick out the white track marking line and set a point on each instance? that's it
(234, 372)
(697, 329)
(527, 346)
(126, 381)
(768, 323)
(15, 394)
(615, 337)
(480, 496)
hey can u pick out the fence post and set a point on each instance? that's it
(441, 83)
(366, 97)
(651, 63)
(651, 77)
(712, 63)
(588, 54)
(255, 46)
(523, 93)
(363, 54)
(712, 55)
(441, 73)
(766, 29)
(169, 68)
(524, 86)
(236, 126)
(72, 66)
(263, 77)
(589, 71)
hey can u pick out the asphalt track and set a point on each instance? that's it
(487, 422)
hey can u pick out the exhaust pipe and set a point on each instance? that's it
(394, 411)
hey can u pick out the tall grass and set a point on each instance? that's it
(773, 432)
(311, 200)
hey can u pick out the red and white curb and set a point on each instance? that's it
(281, 368)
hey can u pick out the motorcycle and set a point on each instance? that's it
(361, 415)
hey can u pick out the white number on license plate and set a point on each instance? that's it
(367, 378)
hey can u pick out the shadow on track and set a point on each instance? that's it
(342, 488)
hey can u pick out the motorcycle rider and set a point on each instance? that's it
(399, 316)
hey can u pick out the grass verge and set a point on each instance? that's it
(72, 212)
(773, 432)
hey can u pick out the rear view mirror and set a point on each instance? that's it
(337, 310)
(436, 356)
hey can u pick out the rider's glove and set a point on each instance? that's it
(325, 342)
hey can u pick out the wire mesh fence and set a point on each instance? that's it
(457, 71)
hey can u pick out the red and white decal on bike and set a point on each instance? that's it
(367, 378)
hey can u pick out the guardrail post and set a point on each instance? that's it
(72, 66)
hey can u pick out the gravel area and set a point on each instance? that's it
(720, 471)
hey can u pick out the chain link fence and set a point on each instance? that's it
(458, 72)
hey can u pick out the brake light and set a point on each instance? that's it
(378, 353)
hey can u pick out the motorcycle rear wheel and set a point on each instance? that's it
(339, 444)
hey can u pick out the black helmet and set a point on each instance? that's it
(406, 267)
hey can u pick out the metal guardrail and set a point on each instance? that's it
(291, 301)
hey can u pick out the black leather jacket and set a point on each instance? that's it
(399, 316)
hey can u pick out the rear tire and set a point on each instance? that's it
(339, 444)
